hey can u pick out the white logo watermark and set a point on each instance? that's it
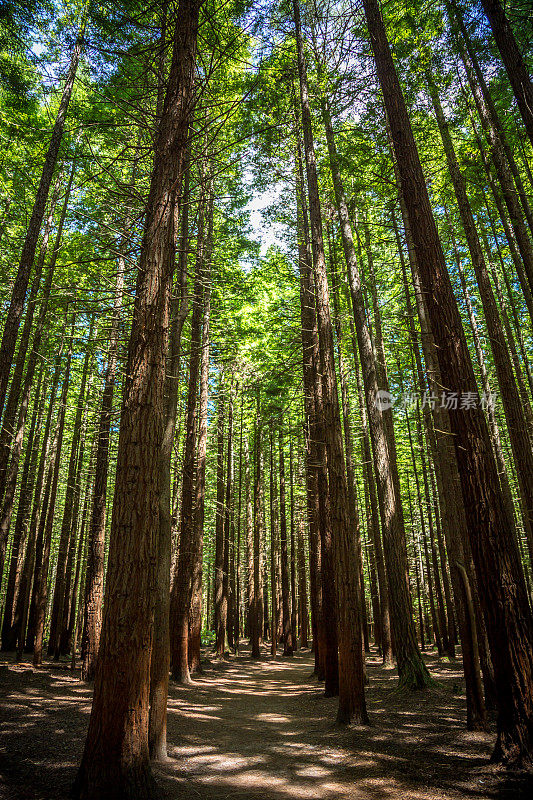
(451, 401)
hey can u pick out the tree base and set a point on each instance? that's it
(184, 679)
(513, 752)
(103, 784)
(415, 677)
(357, 718)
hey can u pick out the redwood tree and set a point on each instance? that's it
(115, 761)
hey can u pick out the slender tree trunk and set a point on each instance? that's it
(442, 619)
(327, 657)
(514, 63)
(14, 448)
(256, 618)
(76, 604)
(12, 609)
(20, 286)
(303, 611)
(238, 602)
(41, 593)
(370, 483)
(454, 514)
(161, 654)
(219, 512)
(315, 501)
(94, 572)
(352, 707)
(64, 626)
(494, 119)
(503, 173)
(222, 628)
(32, 559)
(195, 619)
(294, 602)
(273, 545)
(412, 671)
(180, 601)
(8, 430)
(353, 511)
(68, 516)
(491, 536)
(196, 606)
(288, 648)
(513, 407)
(250, 596)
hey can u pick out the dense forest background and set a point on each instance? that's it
(266, 280)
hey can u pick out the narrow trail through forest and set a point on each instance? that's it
(262, 730)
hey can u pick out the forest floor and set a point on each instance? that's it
(262, 730)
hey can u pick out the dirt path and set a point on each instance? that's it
(262, 731)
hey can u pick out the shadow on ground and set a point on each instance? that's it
(263, 731)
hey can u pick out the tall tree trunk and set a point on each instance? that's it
(94, 572)
(237, 616)
(455, 525)
(76, 603)
(116, 753)
(294, 602)
(503, 173)
(180, 601)
(288, 648)
(8, 430)
(353, 510)
(34, 544)
(195, 626)
(412, 671)
(14, 448)
(250, 593)
(491, 536)
(20, 286)
(494, 119)
(41, 593)
(352, 707)
(161, 654)
(303, 611)
(454, 514)
(256, 616)
(64, 626)
(219, 511)
(512, 403)
(12, 610)
(513, 60)
(222, 628)
(326, 639)
(370, 484)
(273, 544)
(68, 509)
(308, 328)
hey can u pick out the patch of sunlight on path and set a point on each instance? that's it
(262, 730)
